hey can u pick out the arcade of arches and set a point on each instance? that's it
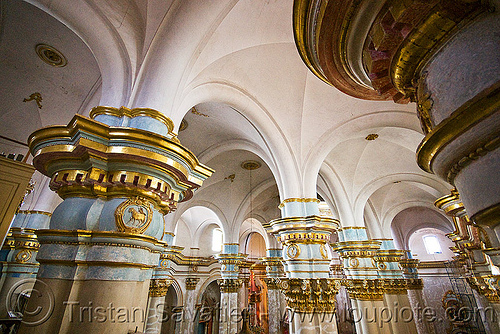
(250, 166)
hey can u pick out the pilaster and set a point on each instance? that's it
(276, 304)
(230, 284)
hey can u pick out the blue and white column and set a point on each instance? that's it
(308, 289)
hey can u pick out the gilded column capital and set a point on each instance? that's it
(374, 289)
(159, 287)
(311, 229)
(310, 295)
(192, 282)
(305, 240)
(486, 285)
(272, 283)
(230, 285)
(230, 264)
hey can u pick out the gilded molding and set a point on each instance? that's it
(111, 184)
(431, 264)
(111, 134)
(298, 200)
(304, 238)
(78, 237)
(409, 263)
(82, 159)
(131, 113)
(179, 259)
(480, 151)
(461, 120)
(310, 295)
(35, 212)
(230, 285)
(21, 244)
(432, 31)
(392, 255)
(352, 228)
(313, 228)
(374, 289)
(96, 263)
(158, 287)
(321, 31)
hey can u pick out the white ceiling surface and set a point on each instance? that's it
(413, 219)
(64, 89)
(236, 61)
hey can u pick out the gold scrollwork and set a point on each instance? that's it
(23, 256)
(134, 215)
(293, 251)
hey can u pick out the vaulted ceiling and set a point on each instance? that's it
(236, 62)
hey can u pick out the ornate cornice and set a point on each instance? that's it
(321, 30)
(89, 158)
(298, 200)
(311, 229)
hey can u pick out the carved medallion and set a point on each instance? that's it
(164, 263)
(381, 266)
(23, 256)
(134, 215)
(293, 251)
(354, 262)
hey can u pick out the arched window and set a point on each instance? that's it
(432, 245)
(217, 240)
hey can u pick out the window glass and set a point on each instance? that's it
(217, 240)
(432, 244)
